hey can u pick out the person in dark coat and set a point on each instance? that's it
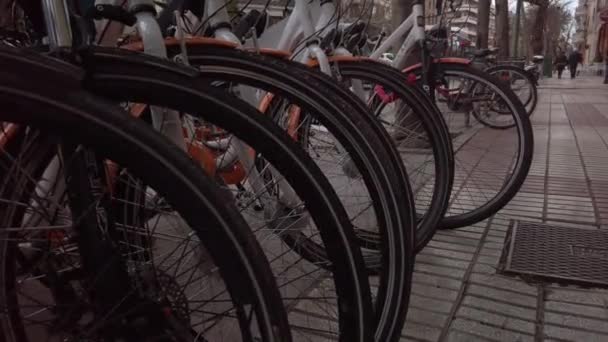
(574, 60)
(560, 63)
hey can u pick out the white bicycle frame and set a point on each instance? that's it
(167, 122)
(287, 195)
(415, 23)
(299, 25)
(293, 30)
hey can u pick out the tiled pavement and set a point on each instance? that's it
(457, 295)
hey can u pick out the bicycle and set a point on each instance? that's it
(123, 56)
(85, 275)
(482, 186)
(430, 167)
(519, 77)
(230, 70)
(460, 92)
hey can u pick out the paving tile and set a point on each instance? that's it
(494, 333)
(426, 317)
(422, 332)
(504, 283)
(464, 230)
(441, 261)
(464, 241)
(475, 235)
(440, 271)
(506, 296)
(500, 307)
(488, 244)
(569, 334)
(582, 310)
(452, 246)
(495, 239)
(575, 218)
(484, 269)
(446, 253)
(430, 304)
(496, 320)
(499, 234)
(577, 322)
(489, 249)
(458, 336)
(437, 281)
(491, 260)
(578, 296)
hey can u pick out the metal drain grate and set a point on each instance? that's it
(556, 254)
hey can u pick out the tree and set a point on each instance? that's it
(483, 23)
(233, 8)
(549, 25)
(502, 27)
(539, 27)
(5, 14)
(401, 9)
(558, 24)
(517, 24)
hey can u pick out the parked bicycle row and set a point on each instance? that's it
(171, 174)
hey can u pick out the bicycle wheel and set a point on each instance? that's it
(520, 82)
(130, 79)
(227, 65)
(490, 164)
(69, 272)
(418, 131)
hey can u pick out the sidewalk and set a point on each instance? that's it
(457, 295)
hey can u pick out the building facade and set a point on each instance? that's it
(590, 37)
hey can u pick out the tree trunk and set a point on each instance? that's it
(525, 37)
(233, 8)
(517, 28)
(401, 9)
(5, 14)
(483, 24)
(538, 30)
(502, 27)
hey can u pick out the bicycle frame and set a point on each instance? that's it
(298, 26)
(415, 23)
(167, 122)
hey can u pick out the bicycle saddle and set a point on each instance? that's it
(354, 36)
(354, 29)
(484, 52)
(332, 39)
(538, 58)
(254, 17)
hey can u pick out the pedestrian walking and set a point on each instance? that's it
(574, 60)
(560, 63)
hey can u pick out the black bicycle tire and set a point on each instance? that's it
(526, 147)
(524, 74)
(94, 122)
(290, 78)
(435, 128)
(146, 79)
